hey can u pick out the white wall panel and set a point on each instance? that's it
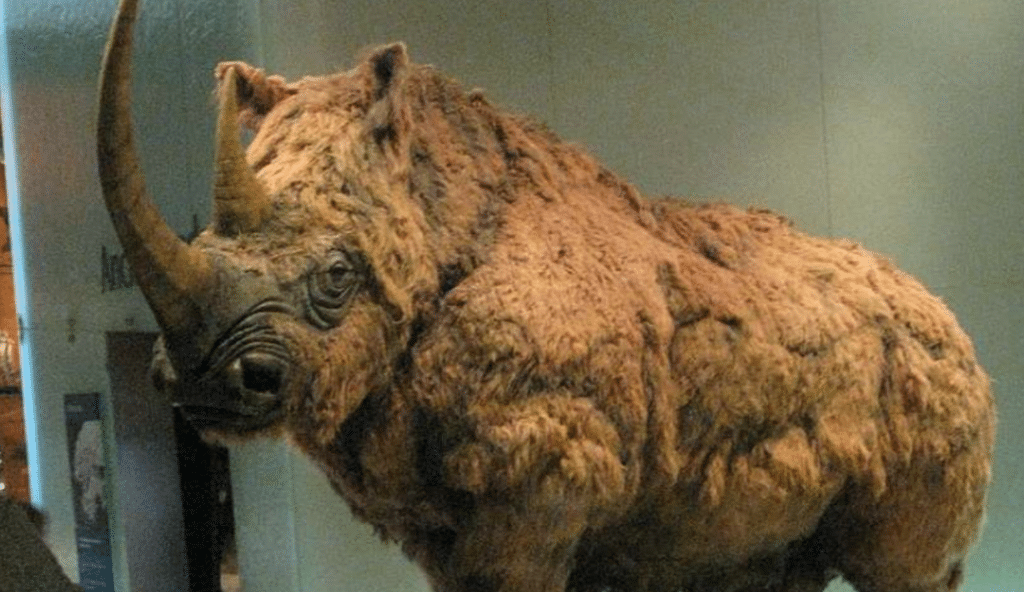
(51, 56)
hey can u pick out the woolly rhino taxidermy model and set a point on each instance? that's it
(533, 378)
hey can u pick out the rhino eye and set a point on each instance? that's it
(331, 287)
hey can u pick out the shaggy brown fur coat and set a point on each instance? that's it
(535, 379)
(599, 391)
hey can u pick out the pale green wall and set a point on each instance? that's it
(894, 122)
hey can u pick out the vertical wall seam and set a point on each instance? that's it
(260, 47)
(553, 106)
(825, 139)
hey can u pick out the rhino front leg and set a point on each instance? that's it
(542, 472)
(508, 550)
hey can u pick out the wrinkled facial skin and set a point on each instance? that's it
(279, 318)
(240, 387)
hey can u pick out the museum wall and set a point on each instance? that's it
(897, 123)
(71, 285)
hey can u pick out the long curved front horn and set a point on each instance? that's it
(173, 276)
(240, 202)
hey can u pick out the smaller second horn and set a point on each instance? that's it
(240, 201)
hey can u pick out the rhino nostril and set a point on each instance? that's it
(261, 375)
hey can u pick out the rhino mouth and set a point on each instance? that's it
(205, 418)
(241, 390)
(243, 397)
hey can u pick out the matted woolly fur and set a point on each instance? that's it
(544, 381)
(599, 391)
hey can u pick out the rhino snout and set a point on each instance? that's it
(244, 395)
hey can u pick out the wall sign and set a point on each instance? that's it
(88, 485)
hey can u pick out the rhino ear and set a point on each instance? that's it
(388, 116)
(257, 92)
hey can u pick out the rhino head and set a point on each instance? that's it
(295, 302)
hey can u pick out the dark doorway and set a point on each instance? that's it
(175, 489)
(207, 511)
